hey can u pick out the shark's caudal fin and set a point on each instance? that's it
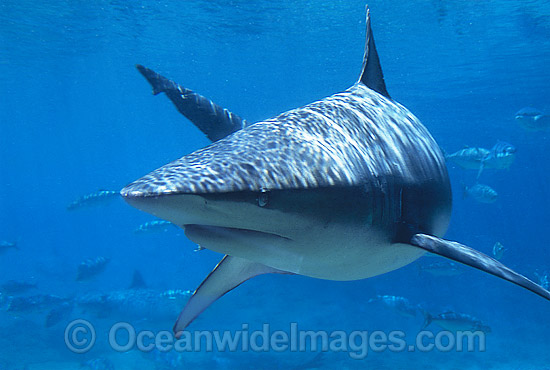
(214, 121)
(371, 74)
(468, 256)
(227, 275)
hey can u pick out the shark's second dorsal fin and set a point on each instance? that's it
(371, 74)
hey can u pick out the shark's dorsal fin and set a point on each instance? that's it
(371, 74)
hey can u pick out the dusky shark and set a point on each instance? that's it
(345, 188)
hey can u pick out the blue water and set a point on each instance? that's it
(76, 117)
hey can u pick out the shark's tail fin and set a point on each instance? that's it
(214, 121)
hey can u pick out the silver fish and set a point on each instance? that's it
(91, 268)
(469, 158)
(453, 321)
(59, 314)
(480, 192)
(499, 157)
(94, 199)
(135, 304)
(533, 119)
(35, 303)
(400, 304)
(13, 287)
(154, 226)
(5, 246)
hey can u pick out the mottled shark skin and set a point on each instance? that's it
(345, 188)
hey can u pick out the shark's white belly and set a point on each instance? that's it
(319, 247)
(318, 244)
(333, 253)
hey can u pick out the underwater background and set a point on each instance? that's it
(76, 118)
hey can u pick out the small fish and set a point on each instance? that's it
(453, 321)
(442, 268)
(58, 314)
(400, 304)
(5, 245)
(176, 294)
(93, 199)
(533, 119)
(154, 226)
(480, 192)
(36, 303)
(91, 268)
(100, 363)
(544, 280)
(498, 250)
(136, 304)
(13, 287)
(499, 157)
(469, 158)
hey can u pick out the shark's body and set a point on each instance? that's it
(325, 175)
(345, 188)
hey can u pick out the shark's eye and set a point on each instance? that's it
(263, 198)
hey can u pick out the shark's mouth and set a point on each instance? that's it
(201, 234)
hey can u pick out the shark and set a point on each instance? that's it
(345, 188)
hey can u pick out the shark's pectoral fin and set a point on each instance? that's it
(227, 275)
(214, 121)
(468, 256)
